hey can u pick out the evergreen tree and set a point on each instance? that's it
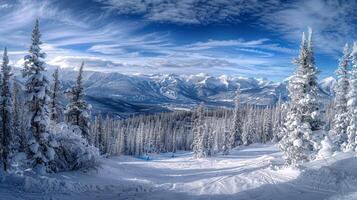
(225, 142)
(210, 141)
(100, 133)
(236, 134)
(18, 124)
(10, 142)
(37, 90)
(338, 133)
(278, 118)
(198, 145)
(78, 110)
(248, 127)
(56, 109)
(301, 130)
(267, 134)
(351, 143)
(174, 135)
(312, 106)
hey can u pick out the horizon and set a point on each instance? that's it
(240, 38)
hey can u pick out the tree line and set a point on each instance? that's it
(204, 131)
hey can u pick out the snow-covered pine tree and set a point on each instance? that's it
(149, 140)
(236, 134)
(249, 132)
(72, 150)
(139, 140)
(78, 110)
(259, 123)
(338, 133)
(198, 145)
(352, 105)
(37, 90)
(227, 136)
(329, 116)
(174, 133)
(10, 141)
(112, 137)
(312, 110)
(5, 136)
(267, 134)
(17, 114)
(99, 142)
(301, 130)
(55, 107)
(210, 140)
(225, 142)
(122, 139)
(277, 119)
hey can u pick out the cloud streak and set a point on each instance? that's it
(188, 11)
(333, 22)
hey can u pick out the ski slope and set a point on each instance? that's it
(254, 172)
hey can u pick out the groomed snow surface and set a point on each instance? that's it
(253, 172)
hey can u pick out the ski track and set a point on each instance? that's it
(254, 172)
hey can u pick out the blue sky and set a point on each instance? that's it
(257, 38)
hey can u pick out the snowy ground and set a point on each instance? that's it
(254, 172)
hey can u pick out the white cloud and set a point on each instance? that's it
(264, 43)
(256, 51)
(17, 20)
(5, 6)
(91, 63)
(189, 11)
(210, 48)
(333, 22)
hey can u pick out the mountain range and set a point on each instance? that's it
(132, 94)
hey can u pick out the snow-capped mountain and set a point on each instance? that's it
(119, 93)
(327, 85)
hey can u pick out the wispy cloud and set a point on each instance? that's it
(256, 51)
(264, 43)
(333, 22)
(188, 11)
(161, 46)
(246, 67)
(212, 56)
(65, 31)
(5, 6)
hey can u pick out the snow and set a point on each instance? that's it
(254, 172)
(328, 85)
